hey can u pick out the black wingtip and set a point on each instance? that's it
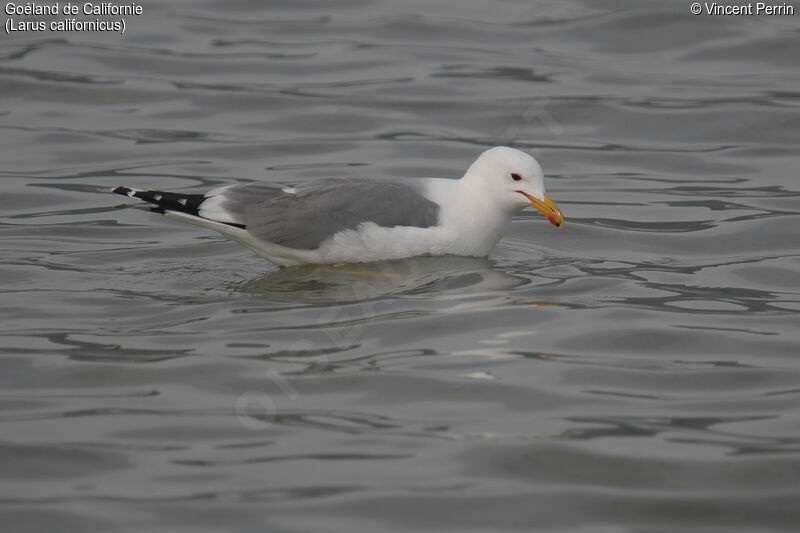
(164, 202)
(169, 201)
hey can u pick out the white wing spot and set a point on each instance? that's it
(157, 197)
(182, 201)
(289, 190)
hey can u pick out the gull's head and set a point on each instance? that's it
(512, 180)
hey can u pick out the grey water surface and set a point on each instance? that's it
(636, 371)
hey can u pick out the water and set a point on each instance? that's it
(636, 371)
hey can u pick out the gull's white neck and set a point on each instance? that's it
(477, 222)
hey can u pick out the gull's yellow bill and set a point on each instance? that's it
(548, 208)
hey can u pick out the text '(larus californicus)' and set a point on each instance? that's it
(346, 220)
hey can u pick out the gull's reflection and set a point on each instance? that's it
(362, 281)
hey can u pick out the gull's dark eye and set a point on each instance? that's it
(515, 176)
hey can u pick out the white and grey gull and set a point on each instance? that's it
(346, 220)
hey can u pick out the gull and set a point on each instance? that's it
(349, 220)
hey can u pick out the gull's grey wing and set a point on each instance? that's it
(304, 216)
